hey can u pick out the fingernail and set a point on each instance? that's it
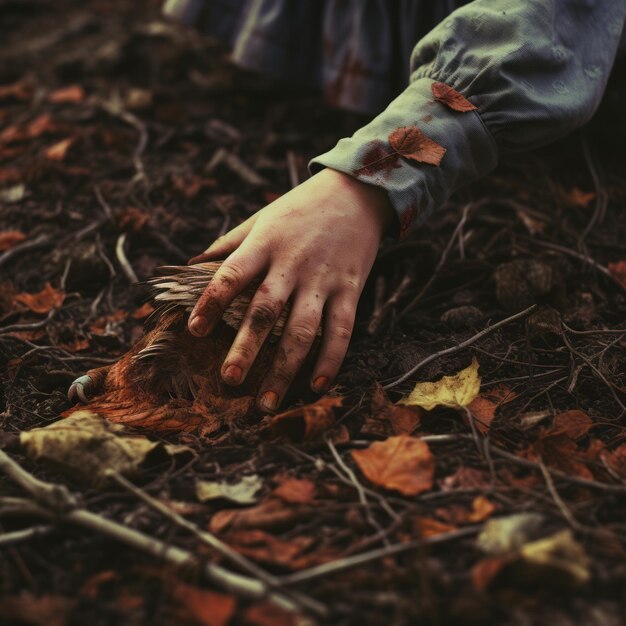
(269, 401)
(320, 384)
(232, 375)
(199, 326)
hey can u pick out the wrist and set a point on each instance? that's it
(369, 198)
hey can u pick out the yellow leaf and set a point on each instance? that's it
(452, 391)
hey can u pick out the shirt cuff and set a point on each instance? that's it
(415, 189)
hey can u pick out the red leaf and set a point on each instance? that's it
(74, 94)
(575, 424)
(10, 238)
(451, 98)
(411, 143)
(42, 301)
(199, 606)
(377, 159)
(483, 408)
(403, 463)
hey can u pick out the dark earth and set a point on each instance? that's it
(110, 123)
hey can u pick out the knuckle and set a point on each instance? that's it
(263, 315)
(243, 352)
(301, 334)
(342, 332)
(230, 275)
(282, 376)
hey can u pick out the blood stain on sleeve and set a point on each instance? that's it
(378, 159)
(406, 220)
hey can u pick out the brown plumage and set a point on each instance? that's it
(170, 380)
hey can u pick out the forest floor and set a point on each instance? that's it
(504, 504)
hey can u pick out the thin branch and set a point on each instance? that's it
(127, 268)
(460, 346)
(7, 539)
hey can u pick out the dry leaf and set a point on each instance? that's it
(455, 391)
(143, 311)
(45, 610)
(74, 94)
(483, 407)
(618, 271)
(305, 422)
(575, 424)
(59, 150)
(42, 301)
(270, 514)
(411, 143)
(482, 508)
(268, 614)
(402, 463)
(200, 607)
(451, 98)
(242, 492)
(10, 238)
(20, 90)
(383, 418)
(576, 197)
(87, 446)
(506, 534)
(295, 491)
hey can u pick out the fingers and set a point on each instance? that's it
(295, 344)
(338, 327)
(230, 279)
(262, 313)
(226, 244)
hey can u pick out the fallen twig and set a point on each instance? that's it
(460, 346)
(127, 268)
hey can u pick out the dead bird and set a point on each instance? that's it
(170, 380)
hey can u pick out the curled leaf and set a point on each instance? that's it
(452, 391)
(451, 98)
(305, 422)
(411, 143)
(242, 492)
(402, 463)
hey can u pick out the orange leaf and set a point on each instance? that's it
(576, 197)
(618, 271)
(485, 571)
(482, 508)
(296, 491)
(430, 527)
(199, 606)
(74, 94)
(402, 463)
(10, 238)
(268, 614)
(451, 98)
(42, 301)
(58, 151)
(143, 311)
(575, 424)
(48, 609)
(305, 422)
(21, 90)
(483, 408)
(411, 143)
(42, 125)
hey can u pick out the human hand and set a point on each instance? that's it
(316, 244)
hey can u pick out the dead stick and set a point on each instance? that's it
(58, 503)
(460, 346)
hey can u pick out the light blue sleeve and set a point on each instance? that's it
(535, 70)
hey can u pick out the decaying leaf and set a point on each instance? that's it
(244, 491)
(509, 533)
(58, 151)
(455, 391)
(618, 271)
(411, 143)
(305, 422)
(87, 446)
(199, 607)
(451, 98)
(73, 94)
(42, 301)
(10, 238)
(402, 463)
(295, 491)
(383, 418)
(483, 407)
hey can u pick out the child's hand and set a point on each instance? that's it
(316, 244)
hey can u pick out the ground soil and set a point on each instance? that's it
(545, 228)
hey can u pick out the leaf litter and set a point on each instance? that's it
(355, 474)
